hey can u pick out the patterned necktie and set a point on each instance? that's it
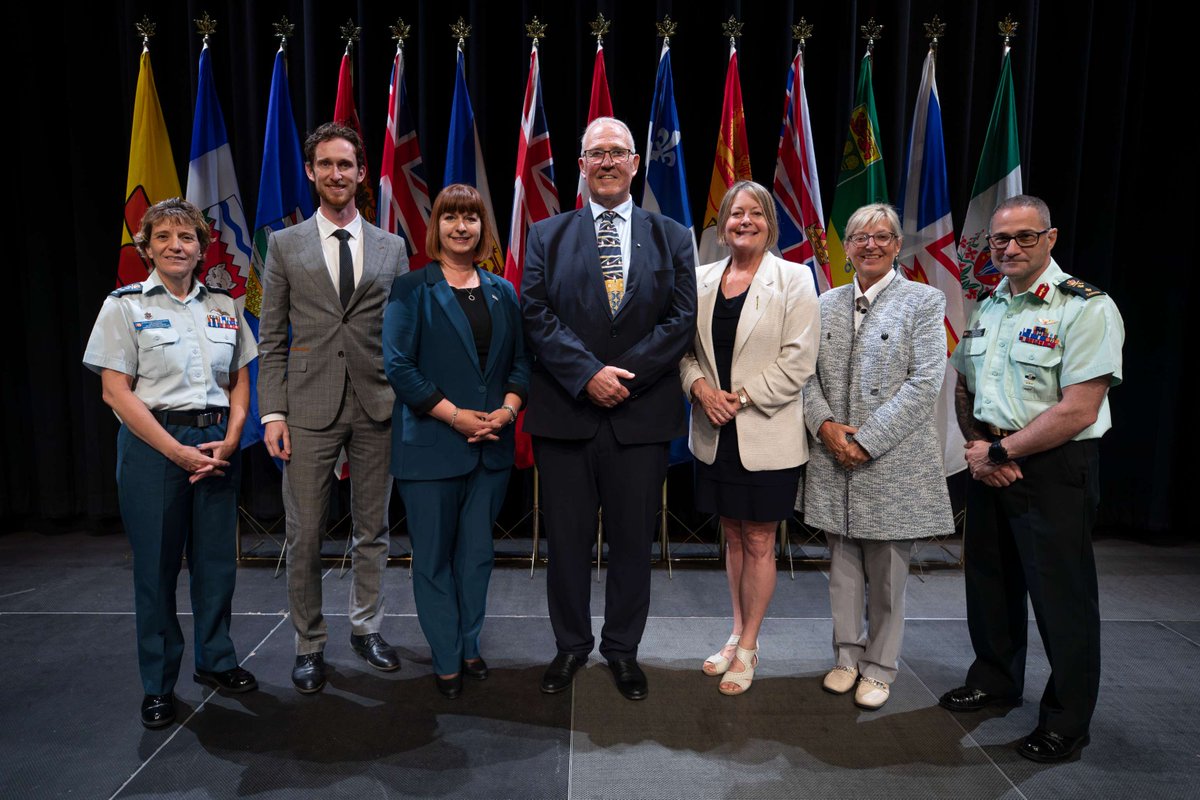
(345, 266)
(608, 242)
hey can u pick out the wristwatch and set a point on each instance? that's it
(997, 454)
(743, 398)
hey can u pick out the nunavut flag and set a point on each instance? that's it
(731, 163)
(861, 179)
(152, 175)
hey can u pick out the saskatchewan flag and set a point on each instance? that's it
(997, 179)
(862, 179)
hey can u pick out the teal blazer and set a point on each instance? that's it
(428, 347)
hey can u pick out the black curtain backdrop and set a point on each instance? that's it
(1092, 89)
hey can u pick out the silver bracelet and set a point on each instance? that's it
(511, 411)
(453, 417)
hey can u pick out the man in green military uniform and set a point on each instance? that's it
(1034, 368)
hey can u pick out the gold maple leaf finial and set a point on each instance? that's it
(666, 28)
(400, 31)
(872, 32)
(205, 26)
(460, 30)
(600, 27)
(733, 29)
(1008, 28)
(147, 29)
(283, 31)
(535, 29)
(802, 32)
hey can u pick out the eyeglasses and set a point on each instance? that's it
(881, 239)
(619, 155)
(1023, 239)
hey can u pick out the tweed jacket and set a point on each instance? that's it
(884, 380)
(304, 378)
(775, 353)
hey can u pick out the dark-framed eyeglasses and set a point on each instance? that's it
(619, 155)
(882, 239)
(1000, 241)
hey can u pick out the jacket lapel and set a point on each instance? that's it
(444, 295)
(708, 287)
(639, 231)
(374, 249)
(312, 260)
(593, 279)
(762, 292)
(491, 296)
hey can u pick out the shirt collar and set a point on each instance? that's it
(326, 228)
(1050, 277)
(624, 210)
(876, 288)
(153, 283)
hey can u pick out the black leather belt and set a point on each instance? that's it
(193, 419)
(999, 433)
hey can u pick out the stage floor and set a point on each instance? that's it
(69, 697)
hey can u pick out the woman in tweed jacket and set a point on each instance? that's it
(875, 479)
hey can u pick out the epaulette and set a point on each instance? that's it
(1079, 288)
(131, 288)
(215, 290)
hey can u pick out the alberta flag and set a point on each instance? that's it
(928, 254)
(998, 178)
(403, 192)
(464, 160)
(797, 190)
(212, 186)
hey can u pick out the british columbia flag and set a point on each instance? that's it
(403, 192)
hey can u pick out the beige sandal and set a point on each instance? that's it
(741, 679)
(717, 663)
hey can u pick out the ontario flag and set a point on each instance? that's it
(731, 163)
(344, 113)
(151, 175)
(212, 185)
(534, 199)
(599, 106)
(797, 190)
(403, 193)
(928, 253)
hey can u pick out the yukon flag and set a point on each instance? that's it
(928, 254)
(213, 187)
(998, 178)
(344, 113)
(599, 106)
(731, 162)
(861, 179)
(534, 199)
(464, 160)
(797, 190)
(403, 193)
(151, 175)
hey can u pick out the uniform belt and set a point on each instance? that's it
(193, 419)
(999, 433)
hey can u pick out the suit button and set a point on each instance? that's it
(482, 389)
(612, 331)
(341, 354)
(874, 392)
(884, 337)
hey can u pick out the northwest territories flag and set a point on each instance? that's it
(998, 178)
(212, 186)
(928, 254)
(403, 193)
(464, 160)
(797, 191)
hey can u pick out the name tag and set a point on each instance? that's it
(143, 325)
(973, 333)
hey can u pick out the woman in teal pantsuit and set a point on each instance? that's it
(454, 353)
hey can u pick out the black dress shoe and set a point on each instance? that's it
(234, 681)
(631, 681)
(158, 710)
(561, 672)
(1047, 746)
(449, 687)
(477, 669)
(309, 673)
(378, 653)
(968, 698)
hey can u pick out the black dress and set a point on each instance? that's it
(725, 487)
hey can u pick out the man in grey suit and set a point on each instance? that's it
(329, 278)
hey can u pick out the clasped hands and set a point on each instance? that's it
(605, 388)
(205, 460)
(478, 426)
(982, 469)
(838, 440)
(719, 406)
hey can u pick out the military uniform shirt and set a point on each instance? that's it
(1018, 352)
(179, 352)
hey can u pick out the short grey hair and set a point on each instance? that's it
(601, 121)
(1025, 201)
(762, 197)
(873, 214)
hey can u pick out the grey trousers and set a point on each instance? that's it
(307, 480)
(874, 574)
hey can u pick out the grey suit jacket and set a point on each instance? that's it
(884, 380)
(305, 379)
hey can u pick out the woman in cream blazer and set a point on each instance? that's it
(757, 335)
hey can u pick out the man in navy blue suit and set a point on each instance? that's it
(609, 301)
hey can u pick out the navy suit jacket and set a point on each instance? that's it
(427, 347)
(572, 334)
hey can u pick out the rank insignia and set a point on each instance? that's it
(1079, 288)
(1042, 290)
(1040, 336)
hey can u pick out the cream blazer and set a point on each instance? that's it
(774, 354)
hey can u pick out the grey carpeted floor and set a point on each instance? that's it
(69, 697)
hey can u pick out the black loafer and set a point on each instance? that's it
(1046, 746)
(378, 653)
(968, 698)
(477, 669)
(158, 710)
(561, 672)
(449, 687)
(308, 675)
(234, 681)
(631, 681)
